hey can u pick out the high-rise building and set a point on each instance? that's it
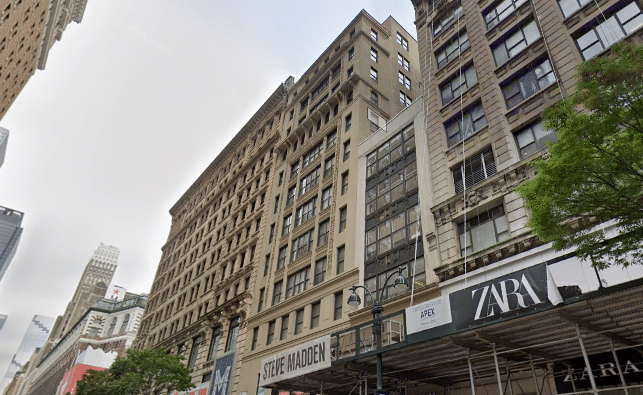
(4, 139)
(10, 232)
(35, 337)
(92, 286)
(261, 247)
(28, 29)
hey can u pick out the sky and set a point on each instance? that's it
(134, 103)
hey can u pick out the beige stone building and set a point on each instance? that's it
(28, 29)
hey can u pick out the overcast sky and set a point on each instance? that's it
(133, 105)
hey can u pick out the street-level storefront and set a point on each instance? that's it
(537, 330)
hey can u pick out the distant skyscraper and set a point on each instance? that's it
(10, 232)
(35, 337)
(93, 285)
(4, 137)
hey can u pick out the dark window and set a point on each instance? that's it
(474, 170)
(320, 271)
(339, 300)
(341, 251)
(233, 332)
(528, 82)
(299, 321)
(533, 138)
(271, 332)
(284, 327)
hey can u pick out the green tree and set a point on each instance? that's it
(594, 171)
(142, 372)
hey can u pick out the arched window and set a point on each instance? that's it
(124, 324)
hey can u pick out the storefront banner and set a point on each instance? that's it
(296, 361)
(201, 389)
(507, 296)
(603, 368)
(222, 374)
(428, 315)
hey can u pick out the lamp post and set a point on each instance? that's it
(401, 284)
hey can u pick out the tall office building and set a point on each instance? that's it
(35, 337)
(10, 232)
(4, 139)
(28, 29)
(261, 246)
(92, 286)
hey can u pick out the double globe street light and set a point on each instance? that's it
(400, 284)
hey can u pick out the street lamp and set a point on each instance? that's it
(401, 284)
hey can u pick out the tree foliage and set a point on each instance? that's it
(594, 171)
(142, 372)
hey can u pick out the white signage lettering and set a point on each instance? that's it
(505, 301)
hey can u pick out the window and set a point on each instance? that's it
(112, 327)
(342, 219)
(528, 82)
(331, 139)
(301, 246)
(194, 352)
(373, 34)
(255, 335)
(233, 332)
(351, 54)
(329, 166)
(347, 149)
(271, 332)
(449, 19)
(402, 41)
(125, 323)
(313, 154)
(373, 74)
(315, 313)
(568, 7)
(349, 72)
(341, 251)
(327, 195)
(457, 45)
(276, 294)
(461, 127)
(405, 99)
(501, 11)
(404, 80)
(374, 98)
(347, 123)
(297, 283)
(533, 138)
(322, 233)
(320, 271)
(284, 327)
(306, 211)
(285, 229)
(262, 293)
(483, 230)
(294, 169)
(374, 55)
(276, 204)
(272, 234)
(344, 183)
(292, 192)
(308, 182)
(339, 300)
(474, 170)
(391, 233)
(214, 343)
(614, 29)
(458, 84)
(304, 104)
(281, 258)
(519, 40)
(404, 62)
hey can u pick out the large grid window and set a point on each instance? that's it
(313, 154)
(452, 50)
(281, 258)
(528, 82)
(465, 125)
(614, 29)
(392, 233)
(473, 170)
(458, 84)
(501, 11)
(327, 196)
(309, 181)
(306, 211)
(301, 246)
(416, 273)
(298, 282)
(322, 233)
(519, 40)
(533, 138)
(449, 19)
(483, 230)
(320, 271)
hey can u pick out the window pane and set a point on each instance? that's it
(568, 7)
(483, 236)
(525, 138)
(384, 244)
(531, 32)
(610, 32)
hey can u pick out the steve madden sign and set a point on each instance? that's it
(296, 361)
(510, 295)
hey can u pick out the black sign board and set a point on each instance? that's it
(511, 295)
(222, 375)
(604, 369)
